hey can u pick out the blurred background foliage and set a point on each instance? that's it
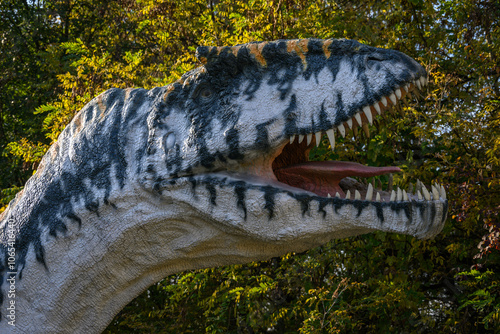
(57, 55)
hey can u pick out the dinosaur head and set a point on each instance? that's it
(213, 169)
(251, 114)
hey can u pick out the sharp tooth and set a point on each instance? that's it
(377, 108)
(405, 195)
(366, 129)
(393, 196)
(349, 123)
(393, 99)
(443, 192)
(422, 81)
(435, 193)
(369, 193)
(292, 138)
(341, 130)
(368, 114)
(407, 88)
(427, 196)
(377, 198)
(309, 138)
(348, 194)
(418, 84)
(404, 88)
(357, 195)
(384, 101)
(331, 138)
(301, 138)
(398, 93)
(318, 136)
(419, 195)
(357, 116)
(399, 195)
(329, 196)
(337, 195)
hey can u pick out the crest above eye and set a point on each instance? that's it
(223, 61)
(202, 54)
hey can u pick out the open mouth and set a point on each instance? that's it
(335, 178)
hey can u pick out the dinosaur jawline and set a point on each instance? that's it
(324, 178)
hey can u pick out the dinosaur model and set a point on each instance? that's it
(210, 170)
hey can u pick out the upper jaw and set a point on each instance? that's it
(363, 116)
(288, 168)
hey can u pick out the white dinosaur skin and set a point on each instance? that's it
(143, 184)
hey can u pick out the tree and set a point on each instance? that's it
(57, 55)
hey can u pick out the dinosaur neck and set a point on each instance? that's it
(98, 266)
(74, 228)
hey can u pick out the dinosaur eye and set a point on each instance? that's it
(206, 93)
(203, 93)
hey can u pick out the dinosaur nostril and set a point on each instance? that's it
(374, 57)
(374, 61)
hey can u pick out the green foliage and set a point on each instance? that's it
(57, 55)
(485, 298)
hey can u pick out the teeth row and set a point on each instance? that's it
(367, 111)
(437, 192)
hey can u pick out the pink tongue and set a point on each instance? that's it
(323, 177)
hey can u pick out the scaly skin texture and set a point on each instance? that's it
(203, 172)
